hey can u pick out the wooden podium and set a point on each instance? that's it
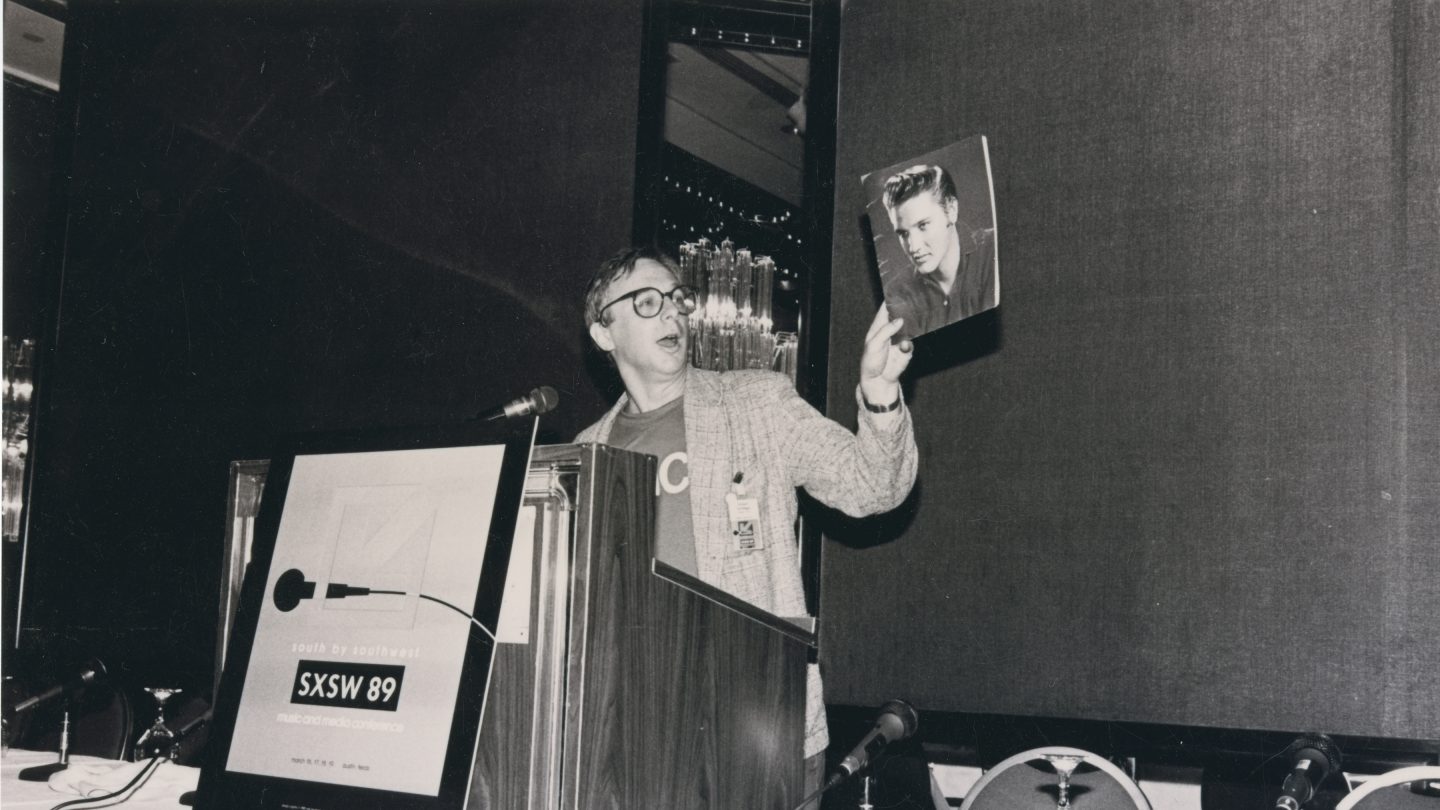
(635, 685)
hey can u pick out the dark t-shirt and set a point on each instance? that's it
(661, 433)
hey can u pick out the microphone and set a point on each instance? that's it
(1314, 757)
(292, 587)
(897, 721)
(540, 400)
(92, 671)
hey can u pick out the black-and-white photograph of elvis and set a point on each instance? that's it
(932, 219)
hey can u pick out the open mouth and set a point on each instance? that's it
(670, 341)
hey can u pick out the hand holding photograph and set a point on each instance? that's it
(932, 219)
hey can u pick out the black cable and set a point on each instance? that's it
(337, 590)
(474, 620)
(133, 785)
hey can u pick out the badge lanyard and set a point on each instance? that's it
(743, 509)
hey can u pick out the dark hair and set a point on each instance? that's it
(615, 268)
(911, 182)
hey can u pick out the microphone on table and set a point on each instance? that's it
(1314, 757)
(538, 401)
(897, 721)
(91, 672)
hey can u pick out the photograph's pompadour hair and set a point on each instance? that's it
(906, 184)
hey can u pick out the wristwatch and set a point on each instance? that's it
(881, 408)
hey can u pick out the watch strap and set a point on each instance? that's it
(881, 408)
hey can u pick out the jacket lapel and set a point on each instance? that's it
(602, 429)
(707, 442)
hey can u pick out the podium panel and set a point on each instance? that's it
(637, 685)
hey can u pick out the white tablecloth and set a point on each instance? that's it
(90, 773)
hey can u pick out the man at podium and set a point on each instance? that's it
(733, 447)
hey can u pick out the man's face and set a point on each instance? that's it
(926, 228)
(655, 347)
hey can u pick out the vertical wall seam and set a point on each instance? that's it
(1395, 588)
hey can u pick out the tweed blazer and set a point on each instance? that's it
(754, 424)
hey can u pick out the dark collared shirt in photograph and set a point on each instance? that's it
(925, 307)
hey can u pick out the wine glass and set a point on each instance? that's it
(158, 740)
(1065, 765)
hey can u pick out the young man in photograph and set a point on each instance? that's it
(952, 274)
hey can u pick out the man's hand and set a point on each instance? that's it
(883, 361)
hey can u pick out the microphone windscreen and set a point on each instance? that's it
(904, 723)
(290, 588)
(1319, 749)
(545, 399)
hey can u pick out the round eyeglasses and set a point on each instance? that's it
(648, 301)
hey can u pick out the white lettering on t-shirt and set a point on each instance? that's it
(663, 482)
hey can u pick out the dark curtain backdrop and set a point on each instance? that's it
(301, 217)
(29, 152)
(30, 135)
(1189, 473)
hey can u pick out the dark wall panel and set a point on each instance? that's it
(29, 156)
(1187, 473)
(301, 218)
